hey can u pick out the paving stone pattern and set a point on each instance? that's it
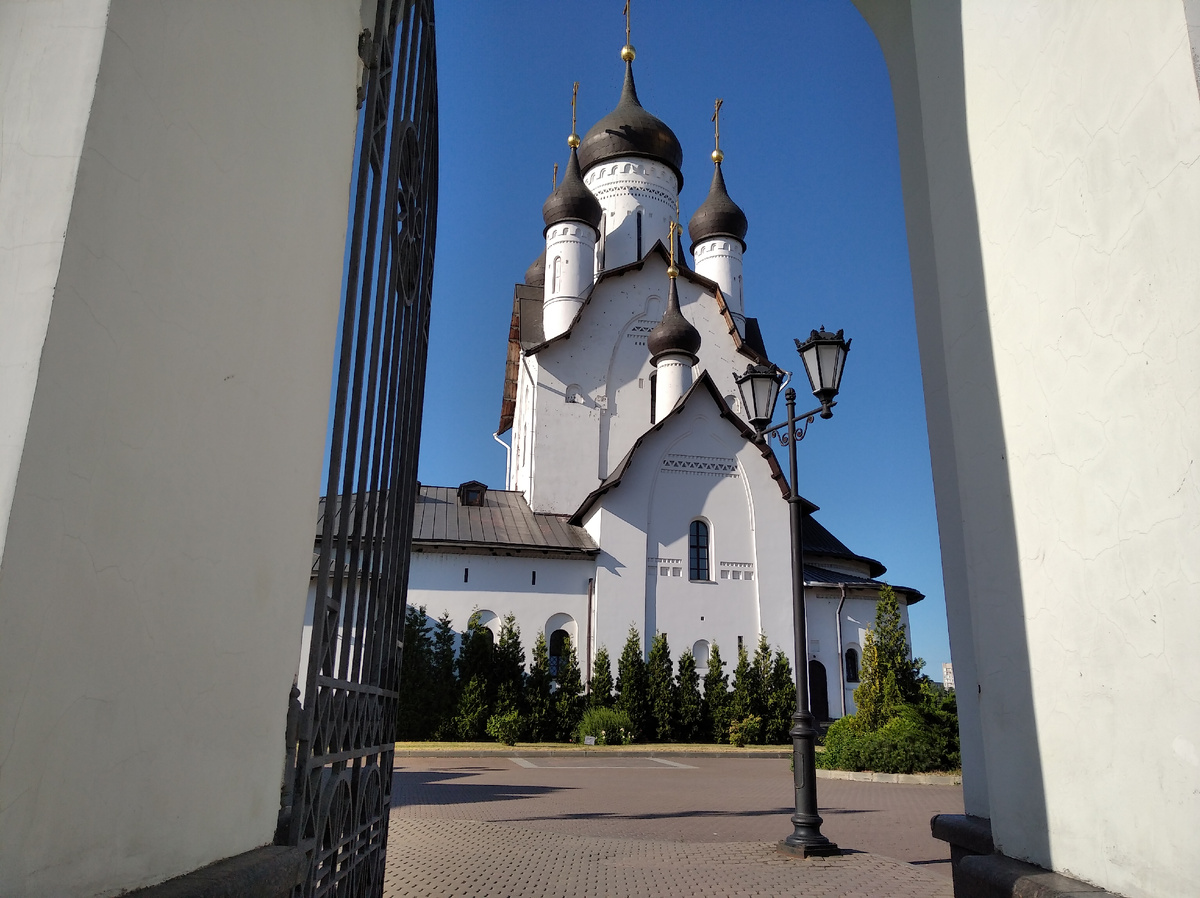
(635, 826)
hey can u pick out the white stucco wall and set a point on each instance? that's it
(642, 525)
(1053, 205)
(503, 584)
(624, 186)
(161, 522)
(49, 57)
(606, 357)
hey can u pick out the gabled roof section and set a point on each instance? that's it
(815, 575)
(524, 330)
(502, 525)
(704, 385)
(756, 354)
(819, 541)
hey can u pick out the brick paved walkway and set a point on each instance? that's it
(637, 826)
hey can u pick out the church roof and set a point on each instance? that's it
(718, 215)
(815, 575)
(674, 333)
(502, 525)
(525, 327)
(571, 201)
(629, 130)
(704, 383)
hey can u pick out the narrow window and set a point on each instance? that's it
(639, 234)
(851, 666)
(556, 280)
(698, 551)
(740, 646)
(466, 574)
(533, 582)
(653, 393)
(558, 653)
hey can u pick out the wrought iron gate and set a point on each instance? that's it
(342, 746)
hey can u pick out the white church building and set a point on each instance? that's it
(636, 494)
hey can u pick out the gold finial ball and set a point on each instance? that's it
(573, 141)
(672, 271)
(718, 156)
(628, 53)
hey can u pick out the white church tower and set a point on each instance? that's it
(632, 163)
(718, 232)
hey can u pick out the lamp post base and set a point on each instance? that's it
(824, 848)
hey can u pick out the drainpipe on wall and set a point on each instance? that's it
(507, 458)
(841, 650)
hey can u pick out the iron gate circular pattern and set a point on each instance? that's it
(335, 800)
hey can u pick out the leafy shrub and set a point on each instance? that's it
(745, 731)
(505, 727)
(610, 726)
(905, 744)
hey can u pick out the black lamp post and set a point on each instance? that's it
(824, 357)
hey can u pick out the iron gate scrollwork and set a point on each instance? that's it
(335, 802)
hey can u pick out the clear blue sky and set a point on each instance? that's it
(809, 135)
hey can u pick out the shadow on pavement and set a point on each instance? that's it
(435, 787)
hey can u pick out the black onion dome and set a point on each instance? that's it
(674, 333)
(718, 215)
(629, 130)
(571, 200)
(535, 274)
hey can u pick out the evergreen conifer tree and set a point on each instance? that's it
(781, 701)
(716, 698)
(889, 677)
(660, 677)
(413, 707)
(689, 704)
(443, 698)
(632, 686)
(508, 667)
(539, 700)
(475, 654)
(601, 695)
(470, 721)
(762, 677)
(745, 700)
(568, 700)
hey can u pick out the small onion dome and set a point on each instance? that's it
(674, 334)
(535, 274)
(718, 215)
(571, 200)
(629, 130)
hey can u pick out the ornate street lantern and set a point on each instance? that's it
(759, 401)
(824, 356)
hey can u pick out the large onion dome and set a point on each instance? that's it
(718, 215)
(629, 130)
(674, 334)
(535, 274)
(571, 200)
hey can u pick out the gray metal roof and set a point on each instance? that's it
(503, 525)
(814, 574)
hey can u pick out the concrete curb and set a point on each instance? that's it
(912, 779)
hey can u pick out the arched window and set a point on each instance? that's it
(700, 652)
(851, 666)
(698, 551)
(559, 646)
(556, 279)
